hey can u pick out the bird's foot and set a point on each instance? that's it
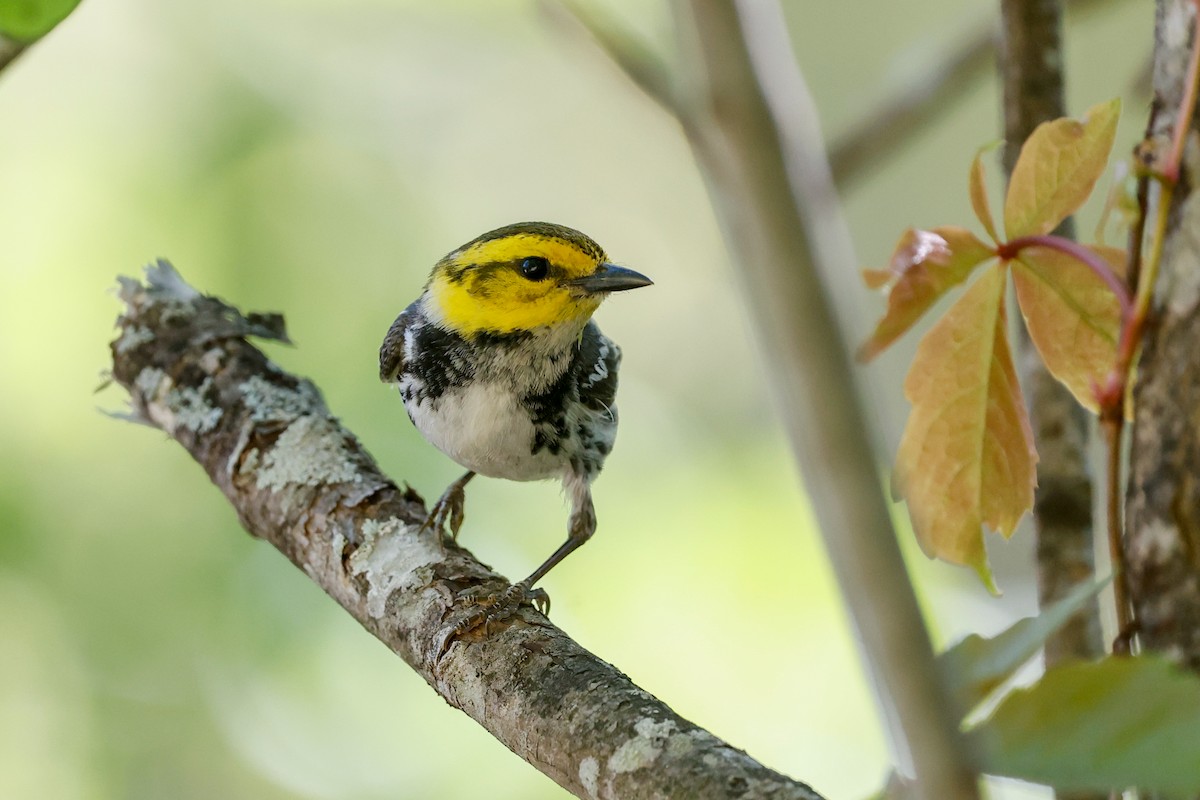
(497, 608)
(446, 516)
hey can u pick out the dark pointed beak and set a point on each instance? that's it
(610, 278)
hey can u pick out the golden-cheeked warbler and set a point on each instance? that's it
(502, 368)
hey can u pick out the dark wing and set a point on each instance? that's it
(599, 359)
(391, 352)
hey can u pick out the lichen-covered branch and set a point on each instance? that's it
(301, 481)
(1031, 65)
(1162, 545)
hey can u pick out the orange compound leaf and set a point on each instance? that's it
(1073, 317)
(877, 278)
(966, 458)
(924, 266)
(1057, 170)
(978, 190)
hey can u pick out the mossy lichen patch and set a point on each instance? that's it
(270, 402)
(192, 411)
(166, 283)
(389, 557)
(171, 407)
(589, 776)
(133, 337)
(310, 452)
(644, 748)
(149, 382)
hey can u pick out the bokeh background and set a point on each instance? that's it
(316, 157)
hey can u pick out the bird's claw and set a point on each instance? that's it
(497, 608)
(537, 598)
(446, 516)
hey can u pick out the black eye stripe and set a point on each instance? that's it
(535, 268)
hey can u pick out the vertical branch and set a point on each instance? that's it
(1031, 61)
(1031, 67)
(1163, 500)
(753, 130)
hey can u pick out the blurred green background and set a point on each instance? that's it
(316, 158)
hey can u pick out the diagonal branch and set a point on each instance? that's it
(926, 97)
(748, 118)
(919, 102)
(301, 481)
(635, 57)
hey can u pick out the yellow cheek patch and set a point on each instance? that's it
(508, 303)
(480, 287)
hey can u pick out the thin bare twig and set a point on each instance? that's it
(924, 98)
(636, 58)
(1114, 428)
(883, 130)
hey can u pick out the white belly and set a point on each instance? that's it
(483, 427)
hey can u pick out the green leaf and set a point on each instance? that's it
(924, 266)
(27, 20)
(976, 666)
(1099, 726)
(966, 457)
(1057, 170)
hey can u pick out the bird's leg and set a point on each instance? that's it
(580, 528)
(449, 508)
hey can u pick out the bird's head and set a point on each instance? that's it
(522, 277)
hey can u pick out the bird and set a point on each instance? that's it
(501, 367)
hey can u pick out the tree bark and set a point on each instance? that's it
(301, 481)
(1163, 500)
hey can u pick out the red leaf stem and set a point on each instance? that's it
(1010, 250)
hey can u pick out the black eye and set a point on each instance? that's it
(535, 268)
